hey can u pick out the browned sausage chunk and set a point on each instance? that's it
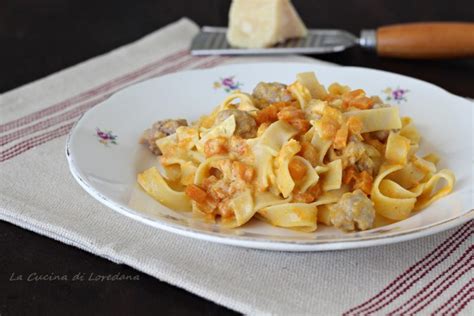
(159, 130)
(354, 210)
(266, 93)
(246, 127)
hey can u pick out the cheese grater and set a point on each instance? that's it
(212, 41)
(413, 40)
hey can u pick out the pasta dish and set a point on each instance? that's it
(294, 156)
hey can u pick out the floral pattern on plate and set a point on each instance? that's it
(229, 84)
(106, 137)
(398, 95)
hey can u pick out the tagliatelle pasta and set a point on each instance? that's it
(295, 156)
(154, 184)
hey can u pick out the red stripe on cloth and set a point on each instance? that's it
(74, 112)
(429, 268)
(35, 141)
(40, 139)
(91, 92)
(449, 302)
(213, 63)
(464, 301)
(57, 119)
(444, 288)
(180, 66)
(451, 275)
(412, 271)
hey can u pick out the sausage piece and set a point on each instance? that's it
(266, 93)
(362, 156)
(159, 130)
(246, 127)
(354, 209)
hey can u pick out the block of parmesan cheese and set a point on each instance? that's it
(263, 23)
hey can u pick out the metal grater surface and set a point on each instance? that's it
(212, 41)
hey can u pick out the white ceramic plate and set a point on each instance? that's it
(104, 154)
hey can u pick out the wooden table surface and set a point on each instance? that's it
(40, 37)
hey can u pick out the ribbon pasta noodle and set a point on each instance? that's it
(294, 156)
(154, 184)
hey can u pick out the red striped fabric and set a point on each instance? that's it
(82, 107)
(35, 141)
(417, 279)
(73, 113)
(449, 276)
(44, 124)
(212, 63)
(463, 301)
(414, 273)
(91, 92)
(458, 296)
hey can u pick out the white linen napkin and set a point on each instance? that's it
(428, 275)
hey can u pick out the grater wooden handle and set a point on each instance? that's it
(428, 40)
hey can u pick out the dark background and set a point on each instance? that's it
(39, 37)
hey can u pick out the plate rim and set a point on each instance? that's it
(250, 242)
